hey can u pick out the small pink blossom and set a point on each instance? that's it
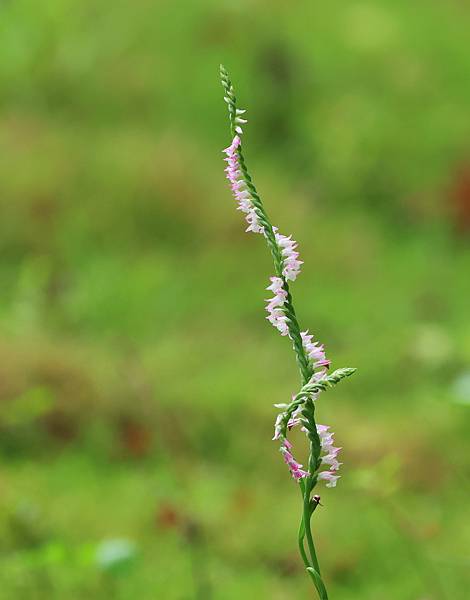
(278, 426)
(328, 452)
(294, 467)
(232, 149)
(238, 185)
(290, 257)
(330, 477)
(329, 456)
(293, 421)
(315, 352)
(331, 461)
(276, 315)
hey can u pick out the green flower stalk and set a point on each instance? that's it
(322, 464)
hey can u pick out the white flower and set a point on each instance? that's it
(276, 315)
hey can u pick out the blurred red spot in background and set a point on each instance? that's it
(135, 438)
(460, 199)
(167, 516)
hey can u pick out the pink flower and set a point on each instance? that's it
(277, 286)
(330, 477)
(232, 149)
(290, 258)
(277, 426)
(328, 452)
(238, 185)
(276, 315)
(294, 467)
(315, 352)
(328, 456)
(331, 461)
(293, 421)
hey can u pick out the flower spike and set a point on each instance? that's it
(313, 364)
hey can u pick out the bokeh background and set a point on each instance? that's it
(137, 371)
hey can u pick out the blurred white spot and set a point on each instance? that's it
(461, 388)
(112, 555)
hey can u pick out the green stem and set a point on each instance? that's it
(306, 520)
(305, 530)
(301, 538)
(303, 362)
(307, 524)
(303, 554)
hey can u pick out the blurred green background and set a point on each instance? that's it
(137, 371)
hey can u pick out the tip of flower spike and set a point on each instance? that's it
(346, 371)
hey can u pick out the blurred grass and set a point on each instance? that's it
(137, 376)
